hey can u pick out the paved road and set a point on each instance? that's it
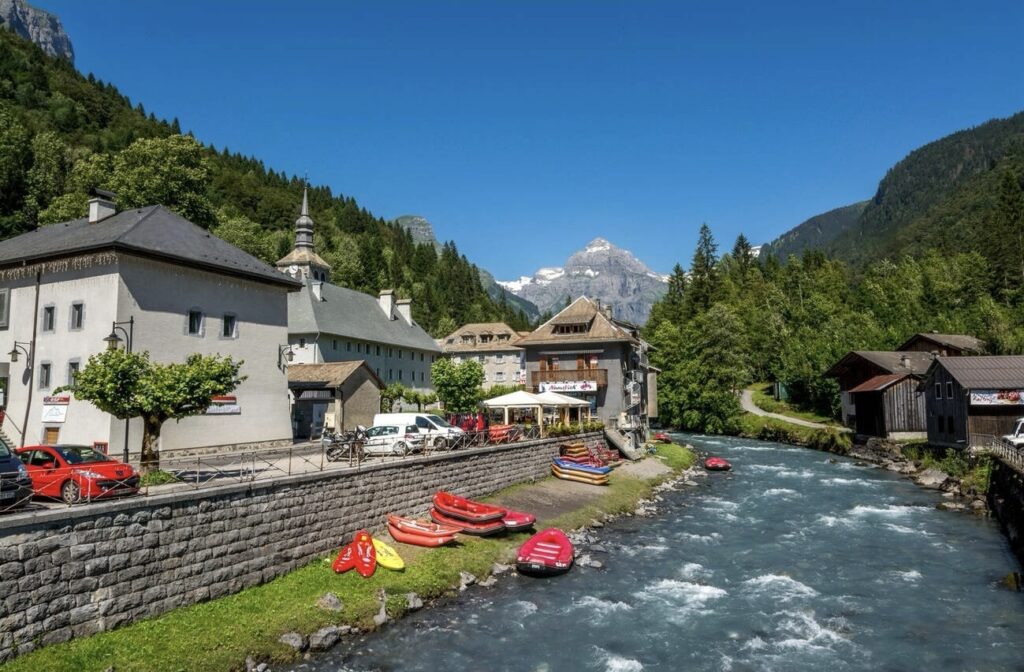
(747, 401)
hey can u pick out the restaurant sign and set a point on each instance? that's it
(568, 386)
(224, 405)
(997, 397)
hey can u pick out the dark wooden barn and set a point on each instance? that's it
(879, 392)
(944, 345)
(971, 401)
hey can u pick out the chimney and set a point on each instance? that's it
(387, 302)
(404, 308)
(101, 205)
(905, 361)
(318, 289)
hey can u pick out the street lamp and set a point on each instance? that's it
(113, 341)
(20, 346)
(285, 356)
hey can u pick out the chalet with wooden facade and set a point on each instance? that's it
(972, 400)
(879, 392)
(944, 345)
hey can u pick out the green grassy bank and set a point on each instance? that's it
(762, 396)
(769, 429)
(218, 635)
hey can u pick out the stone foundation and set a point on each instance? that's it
(68, 573)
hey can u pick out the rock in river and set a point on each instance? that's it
(932, 478)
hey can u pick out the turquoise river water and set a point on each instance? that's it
(794, 561)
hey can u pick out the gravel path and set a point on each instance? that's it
(747, 401)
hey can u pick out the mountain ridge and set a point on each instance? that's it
(37, 26)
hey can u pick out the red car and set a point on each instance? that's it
(74, 473)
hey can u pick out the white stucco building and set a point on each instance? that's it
(328, 323)
(175, 287)
(493, 345)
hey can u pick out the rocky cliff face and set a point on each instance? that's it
(38, 26)
(601, 271)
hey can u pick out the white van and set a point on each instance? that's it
(440, 434)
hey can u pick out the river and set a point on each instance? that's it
(794, 561)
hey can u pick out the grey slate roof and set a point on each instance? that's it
(153, 231)
(996, 372)
(961, 342)
(891, 362)
(351, 314)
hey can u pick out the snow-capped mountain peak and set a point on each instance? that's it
(601, 271)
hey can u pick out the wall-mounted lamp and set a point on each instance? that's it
(20, 346)
(285, 356)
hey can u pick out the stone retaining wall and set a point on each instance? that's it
(1006, 501)
(74, 572)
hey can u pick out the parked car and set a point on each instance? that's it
(393, 439)
(15, 483)
(1016, 438)
(74, 473)
(439, 433)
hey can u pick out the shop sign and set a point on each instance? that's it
(224, 405)
(55, 409)
(568, 386)
(997, 397)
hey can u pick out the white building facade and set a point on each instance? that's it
(174, 289)
(493, 345)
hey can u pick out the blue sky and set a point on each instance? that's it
(523, 130)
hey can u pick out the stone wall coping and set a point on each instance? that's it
(13, 523)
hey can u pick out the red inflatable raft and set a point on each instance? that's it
(717, 464)
(403, 537)
(420, 532)
(360, 554)
(518, 520)
(483, 529)
(466, 509)
(662, 437)
(545, 554)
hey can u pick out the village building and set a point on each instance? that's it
(335, 396)
(585, 353)
(493, 345)
(328, 323)
(972, 401)
(149, 280)
(944, 345)
(879, 392)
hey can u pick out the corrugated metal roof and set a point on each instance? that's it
(350, 314)
(879, 383)
(986, 372)
(152, 231)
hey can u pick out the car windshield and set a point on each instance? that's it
(440, 422)
(81, 454)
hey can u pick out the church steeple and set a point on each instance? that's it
(302, 262)
(304, 224)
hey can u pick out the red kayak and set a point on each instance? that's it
(484, 529)
(518, 520)
(662, 437)
(461, 508)
(545, 554)
(423, 528)
(717, 464)
(359, 554)
(404, 537)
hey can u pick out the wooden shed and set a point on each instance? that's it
(944, 345)
(335, 395)
(971, 401)
(878, 392)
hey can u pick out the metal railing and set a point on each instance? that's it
(599, 376)
(999, 448)
(247, 466)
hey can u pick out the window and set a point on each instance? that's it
(334, 344)
(399, 374)
(481, 358)
(938, 390)
(941, 421)
(229, 326)
(348, 346)
(73, 366)
(5, 306)
(195, 322)
(421, 356)
(499, 358)
(950, 425)
(49, 318)
(399, 355)
(77, 315)
(391, 352)
(421, 376)
(499, 377)
(44, 375)
(391, 374)
(302, 342)
(359, 348)
(949, 389)
(378, 351)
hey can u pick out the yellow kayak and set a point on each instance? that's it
(387, 557)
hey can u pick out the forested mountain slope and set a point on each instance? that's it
(62, 133)
(817, 233)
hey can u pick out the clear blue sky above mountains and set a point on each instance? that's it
(523, 130)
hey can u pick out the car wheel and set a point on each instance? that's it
(71, 492)
(440, 444)
(401, 448)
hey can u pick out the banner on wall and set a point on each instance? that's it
(568, 386)
(55, 409)
(997, 397)
(224, 405)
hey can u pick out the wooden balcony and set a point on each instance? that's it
(600, 376)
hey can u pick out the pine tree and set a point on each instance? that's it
(703, 281)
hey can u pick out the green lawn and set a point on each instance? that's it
(218, 635)
(770, 429)
(762, 393)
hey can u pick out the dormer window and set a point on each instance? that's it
(571, 328)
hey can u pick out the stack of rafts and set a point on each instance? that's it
(477, 518)
(584, 466)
